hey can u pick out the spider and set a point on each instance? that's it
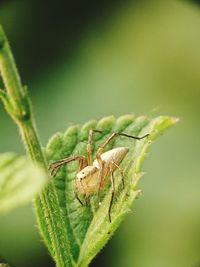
(92, 176)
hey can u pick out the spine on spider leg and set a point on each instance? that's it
(18, 106)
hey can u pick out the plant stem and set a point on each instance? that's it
(18, 105)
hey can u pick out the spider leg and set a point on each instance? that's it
(77, 197)
(112, 136)
(54, 167)
(107, 141)
(102, 174)
(89, 158)
(89, 148)
(131, 136)
(85, 195)
(101, 148)
(121, 172)
(112, 195)
(82, 164)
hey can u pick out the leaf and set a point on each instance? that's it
(20, 181)
(86, 229)
(4, 265)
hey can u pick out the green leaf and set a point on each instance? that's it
(20, 181)
(86, 229)
(4, 265)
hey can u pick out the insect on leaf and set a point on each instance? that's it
(88, 227)
(20, 181)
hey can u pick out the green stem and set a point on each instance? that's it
(11, 79)
(18, 105)
(17, 101)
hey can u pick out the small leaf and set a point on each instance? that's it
(20, 181)
(88, 227)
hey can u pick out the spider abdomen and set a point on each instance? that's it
(88, 179)
(115, 155)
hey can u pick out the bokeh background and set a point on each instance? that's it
(87, 59)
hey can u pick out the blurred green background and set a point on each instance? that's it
(87, 59)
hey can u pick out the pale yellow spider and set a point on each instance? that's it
(94, 175)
